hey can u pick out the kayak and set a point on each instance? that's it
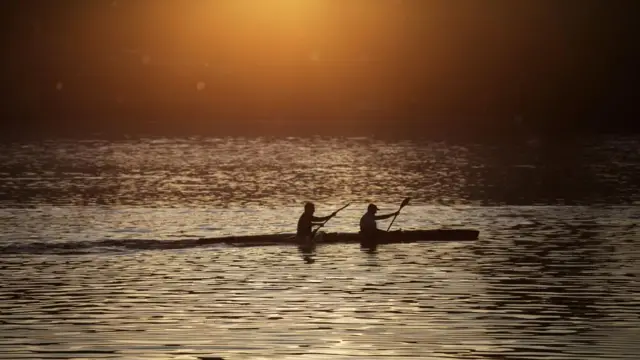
(392, 237)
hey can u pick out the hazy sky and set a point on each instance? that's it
(353, 60)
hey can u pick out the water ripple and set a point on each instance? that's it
(495, 298)
(242, 172)
(545, 280)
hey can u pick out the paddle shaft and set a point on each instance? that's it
(313, 234)
(404, 203)
(394, 219)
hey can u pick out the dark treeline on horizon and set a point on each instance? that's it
(336, 67)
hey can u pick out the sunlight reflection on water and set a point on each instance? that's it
(237, 172)
(513, 297)
(542, 282)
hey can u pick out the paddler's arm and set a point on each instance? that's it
(382, 217)
(322, 219)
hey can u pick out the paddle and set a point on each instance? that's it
(313, 233)
(404, 203)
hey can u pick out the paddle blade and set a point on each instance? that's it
(405, 202)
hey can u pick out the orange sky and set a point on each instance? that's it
(334, 59)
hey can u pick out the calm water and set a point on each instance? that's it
(553, 276)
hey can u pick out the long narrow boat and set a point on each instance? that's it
(74, 247)
(393, 237)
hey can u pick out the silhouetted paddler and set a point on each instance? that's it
(369, 231)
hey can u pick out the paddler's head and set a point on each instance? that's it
(309, 208)
(372, 208)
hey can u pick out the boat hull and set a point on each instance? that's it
(393, 237)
